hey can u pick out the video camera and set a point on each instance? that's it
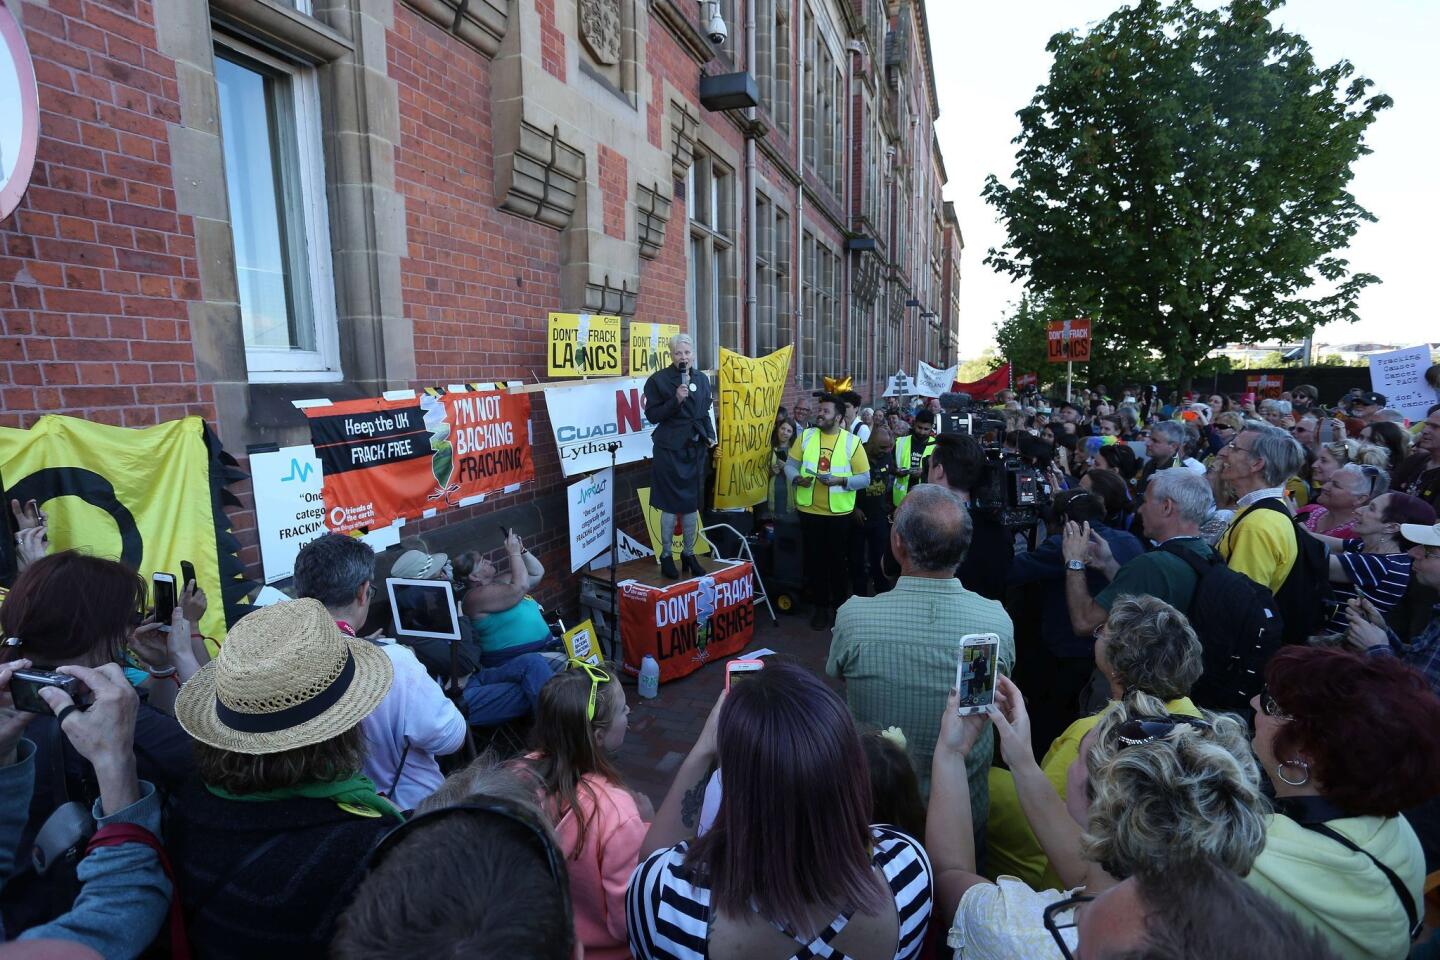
(1013, 485)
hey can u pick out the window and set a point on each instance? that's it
(772, 258)
(710, 288)
(819, 326)
(274, 178)
(772, 59)
(824, 117)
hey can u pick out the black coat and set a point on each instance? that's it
(286, 901)
(678, 424)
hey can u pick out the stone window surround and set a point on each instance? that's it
(345, 42)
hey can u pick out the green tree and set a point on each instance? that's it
(1021, 336)
(974, 369)
(1183, 178)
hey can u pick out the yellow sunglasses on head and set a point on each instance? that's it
(597, 676)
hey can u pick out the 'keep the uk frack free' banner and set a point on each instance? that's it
(750, 392)
(386, 459)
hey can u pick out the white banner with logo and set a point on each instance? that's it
(290, 511)
(933, 381)
(592, 514)
(588, 418)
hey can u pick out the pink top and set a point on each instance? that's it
(599, 876)
(1344, 531)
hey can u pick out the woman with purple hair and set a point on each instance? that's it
(791, 867)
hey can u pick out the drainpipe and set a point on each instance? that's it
(751, 114)
(847, 194)
(798, 247)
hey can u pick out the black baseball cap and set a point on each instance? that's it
(1371, 399)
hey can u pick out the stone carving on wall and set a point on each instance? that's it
(652, 212)
(684, 126)
(600, 29)
(545, 176)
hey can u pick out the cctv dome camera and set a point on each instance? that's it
(716, 30)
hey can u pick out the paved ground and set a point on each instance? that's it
(663, 730)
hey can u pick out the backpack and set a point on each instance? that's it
(1306, 598)
(1239, 626)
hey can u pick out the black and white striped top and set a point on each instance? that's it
(669, 917)
(1381, 578)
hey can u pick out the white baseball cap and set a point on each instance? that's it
(1427, 536)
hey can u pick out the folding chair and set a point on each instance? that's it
(742, 552)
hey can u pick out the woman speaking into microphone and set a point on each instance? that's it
(677, 401)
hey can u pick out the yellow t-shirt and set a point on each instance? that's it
(859, 463)
(1261, 545)
(1010, 845)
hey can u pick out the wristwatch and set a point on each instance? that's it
(1075, 565)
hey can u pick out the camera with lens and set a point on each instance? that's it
(1013, 485)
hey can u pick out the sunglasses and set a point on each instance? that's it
(1057, 927)
(1141, 730)
(1270, 707)
(597, 676)
(486, 806)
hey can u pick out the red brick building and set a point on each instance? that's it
(240, 203)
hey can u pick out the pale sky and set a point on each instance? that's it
(990, 57)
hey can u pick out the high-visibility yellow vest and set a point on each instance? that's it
(842, 501)
(902, 465)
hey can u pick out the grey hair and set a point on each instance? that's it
(488, 775)
(1281, 407)
(1351, 450)
(1281, 453)
(933, 523)
(1170, 432)
(1189, 491)
(1192, 794)
(332, 567)
(1388, 414)
(680, 338)
(1362, 485)
(1152, 647)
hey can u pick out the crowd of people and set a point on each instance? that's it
(1214, 658)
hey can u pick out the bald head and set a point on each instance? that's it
(932, 531)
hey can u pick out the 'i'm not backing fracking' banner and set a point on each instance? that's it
(750, 392)
(387, 459)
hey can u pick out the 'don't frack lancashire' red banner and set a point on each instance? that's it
(687, 625)
(386, 459)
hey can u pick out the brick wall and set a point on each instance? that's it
(95, 266)
(614, 189)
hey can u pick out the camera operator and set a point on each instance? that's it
(958, 462)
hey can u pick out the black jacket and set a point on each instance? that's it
(678, 424)
(285, 902)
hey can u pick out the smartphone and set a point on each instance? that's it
(738, 670)
(187, 575)
(1327, 430)
(25, 690)
(504, 532)
(975, 673)
(163, 593)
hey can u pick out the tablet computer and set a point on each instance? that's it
(423, 608)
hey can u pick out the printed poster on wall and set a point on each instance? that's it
(587, 418)
(386, 459)
(1400, 375)
(650, 347)
(592, 514)
(583, 345)
(749, 397)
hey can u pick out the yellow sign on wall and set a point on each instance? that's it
(650, 347)
(750, 392)
(583, 345)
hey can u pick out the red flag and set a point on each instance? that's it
(987, 387)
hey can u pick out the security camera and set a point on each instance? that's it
(716, 30)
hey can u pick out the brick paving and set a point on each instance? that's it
(663, 730)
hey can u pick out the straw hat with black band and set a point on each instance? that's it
(286, 678)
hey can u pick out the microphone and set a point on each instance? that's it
(685, 375)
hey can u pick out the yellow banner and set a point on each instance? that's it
(583, 345)
(650, 347)
(138, 496)
(652, 527)
(750, 392)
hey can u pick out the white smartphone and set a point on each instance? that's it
(975, 673)
(738, 670)
(163, 593)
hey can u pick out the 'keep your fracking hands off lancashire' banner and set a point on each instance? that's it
(749, 398)
(387, 459)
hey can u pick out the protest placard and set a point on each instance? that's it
(1400, 375)
(900, 385)
(384, 459)
(749, 398)
(933, 381)
(652, 527)
(582, 345)
(1265, 386)
(592, 514)
(588, 418)
(580, 643)
(650, 347)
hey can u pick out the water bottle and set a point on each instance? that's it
(649, 678)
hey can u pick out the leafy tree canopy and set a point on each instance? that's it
(1182, 178)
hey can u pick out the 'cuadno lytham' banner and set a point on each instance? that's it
(750, 392)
